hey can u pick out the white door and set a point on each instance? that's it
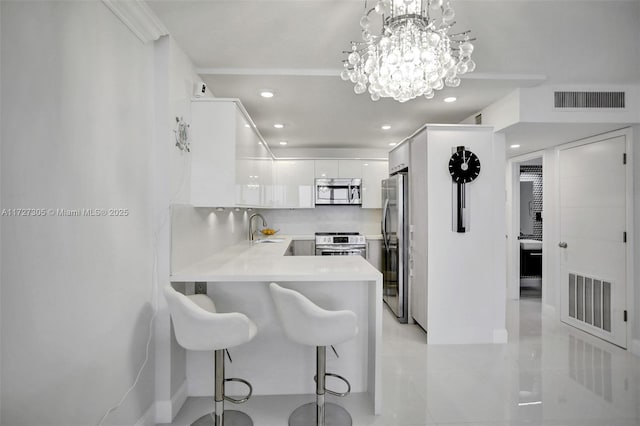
(592, 238)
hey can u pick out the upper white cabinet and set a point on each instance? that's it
(338, 169)
(349, 169)
(327, 168)
(373, 172)
(399, 158)
(229, 164)
(294, 184)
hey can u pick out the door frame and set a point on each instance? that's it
(513, 226)
(628, 135)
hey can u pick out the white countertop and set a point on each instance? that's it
(267, 262)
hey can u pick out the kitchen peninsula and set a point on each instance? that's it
(238, 278)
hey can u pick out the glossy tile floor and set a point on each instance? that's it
(548, 374)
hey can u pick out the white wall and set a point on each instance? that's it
(466, 279)
(174, 78)
(76, 291)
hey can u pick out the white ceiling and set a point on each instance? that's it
(294, 47)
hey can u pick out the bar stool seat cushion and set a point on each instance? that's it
(307, 323)
(199, 327)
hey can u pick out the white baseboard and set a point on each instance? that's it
(500, 336)
(635, 347)
(148, 418)
(166, 410)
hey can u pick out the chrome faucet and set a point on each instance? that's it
(251, 231)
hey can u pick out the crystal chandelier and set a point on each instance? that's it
(413, 54)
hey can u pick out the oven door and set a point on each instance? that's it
(345, 250)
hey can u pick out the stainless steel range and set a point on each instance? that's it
(340, 244)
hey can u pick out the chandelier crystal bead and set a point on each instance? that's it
(412, 54)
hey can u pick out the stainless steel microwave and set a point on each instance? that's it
(345, 191)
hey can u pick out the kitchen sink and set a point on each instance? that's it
(530, 245)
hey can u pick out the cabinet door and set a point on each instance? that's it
(264, 164)
(373, 172)
(418, 230)
(213, 154)
(248, 173)
(230, 166)
(399, 158)
(294, 184)
(350, 169)
(326, 168)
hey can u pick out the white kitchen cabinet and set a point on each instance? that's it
(338, 169)
(229, 164)
(294, 184)
(326, 168)
(399, 158)
(418, 232)
(373, 172)
(374, 253)
(350, 169)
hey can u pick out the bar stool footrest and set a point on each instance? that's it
(241, 400)
(334, 393)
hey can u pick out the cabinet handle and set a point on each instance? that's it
(562, 245)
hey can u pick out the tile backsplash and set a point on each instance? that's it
(324, 219)
(533, 174)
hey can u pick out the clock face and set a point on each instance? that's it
(464, 166)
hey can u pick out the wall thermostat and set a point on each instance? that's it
(200, 89)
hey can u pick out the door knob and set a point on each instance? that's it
(562, 245)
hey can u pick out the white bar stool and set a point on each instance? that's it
(198, 327)
(307, 323)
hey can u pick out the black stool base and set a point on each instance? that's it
(334, 415)
(231, 418)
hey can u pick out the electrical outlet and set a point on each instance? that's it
(201, 288)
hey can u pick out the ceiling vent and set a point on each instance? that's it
(588, 99)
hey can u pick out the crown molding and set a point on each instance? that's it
(139, 18)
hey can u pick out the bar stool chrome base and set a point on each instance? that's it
(334, 415)
(231, 418)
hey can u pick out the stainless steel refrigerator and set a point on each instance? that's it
(395, 236)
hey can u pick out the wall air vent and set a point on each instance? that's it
(588, 99)
(590, 301)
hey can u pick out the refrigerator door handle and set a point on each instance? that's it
(384, 223)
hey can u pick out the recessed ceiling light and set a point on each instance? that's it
(365, 164)
(266, 94)
(278, 126)
(385, 127)
(514, 146)
(392, 144)
(247, 126)
(450, 99)
(283, 142)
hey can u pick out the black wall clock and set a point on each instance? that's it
(464, 167)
